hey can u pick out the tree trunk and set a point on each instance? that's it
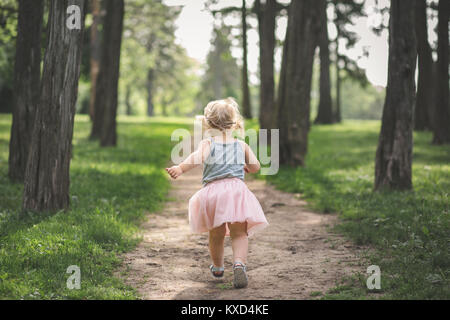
(47, 174)
(441, 125)
(150, 104)
(246, 104)
(394, 153)
(279, 116)
(325, 109)
(27, 74)
(337, 111)
(164, 107)
(424, 86)
(108, 78)
(295, 84)
(127, 100)
(95, 53)
(266, 21)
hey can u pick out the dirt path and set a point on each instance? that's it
(290, 259)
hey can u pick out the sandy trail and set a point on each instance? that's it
(292, 258)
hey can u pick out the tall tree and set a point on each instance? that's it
(295, 81)
(47, 174)
(104, 124)
(8, 33)
(441, 122)
(394, 153)
(27, 74)
(95, 46)
(325, 109)
(243, 12)
(345, 12)
(337, 111)
(425, 80)
(159, 41)
(222, 69)
(246, 104)
(267, 14)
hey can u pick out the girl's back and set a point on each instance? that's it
(225, 160)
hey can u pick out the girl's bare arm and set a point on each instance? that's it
(196, 158)
(251, 162)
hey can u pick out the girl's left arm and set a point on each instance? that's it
(196, 158)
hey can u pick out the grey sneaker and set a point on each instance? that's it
(240, 275)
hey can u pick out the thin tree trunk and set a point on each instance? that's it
(46, 185)
(127, 100)
(295, 84)
(432, 110)
(280, 119)
(394, 154)
(325, 109)
(337, 111)
(441, 125)
(164, 107)
(266, 21)
(246, 104)
(150, 104)
(27, 74)
(424, 86)
(108, 79)
(95, 53)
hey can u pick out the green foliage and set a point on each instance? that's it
(8, 33)
(409, 230)
(112, 189)
(357, 101)
(221, 78)
(151, 56)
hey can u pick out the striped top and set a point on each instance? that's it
(225, 160)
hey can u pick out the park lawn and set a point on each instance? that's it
(410, 231)
(112, 189)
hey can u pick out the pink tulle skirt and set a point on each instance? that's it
(225, 200)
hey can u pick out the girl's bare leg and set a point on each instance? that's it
(216, 240)
(239, 241)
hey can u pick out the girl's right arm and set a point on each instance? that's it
(196, 158)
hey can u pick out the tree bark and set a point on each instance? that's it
(441, 125)
(425, 80)
(246, 104)
(266, 20)
(295, 84)
(394, 153)
(104, 125)
(27, 74)
(325, 109)
(47, 174)
(95, 53)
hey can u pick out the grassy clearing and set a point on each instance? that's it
(410, 230)
(111, 190)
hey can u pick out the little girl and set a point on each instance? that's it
(224, 206)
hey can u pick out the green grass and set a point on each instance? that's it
(409, 230)
(112, 189)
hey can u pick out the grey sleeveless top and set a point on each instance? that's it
(225, 160)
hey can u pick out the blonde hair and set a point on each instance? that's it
(223, 115)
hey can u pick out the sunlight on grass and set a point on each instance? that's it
(410, 228)
(112, 189)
